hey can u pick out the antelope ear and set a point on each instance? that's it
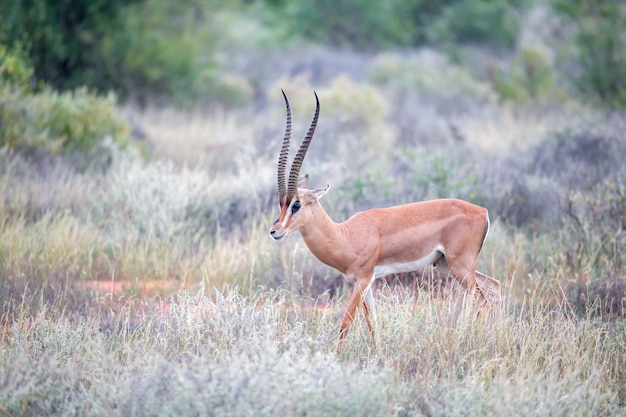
(319, 193)
(303, 180)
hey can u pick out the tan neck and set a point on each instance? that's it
(324, 237)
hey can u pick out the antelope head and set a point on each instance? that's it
(292, 199)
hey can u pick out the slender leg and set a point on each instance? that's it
(466, 276)
(348, 317)
(490, 288)
(369, 310)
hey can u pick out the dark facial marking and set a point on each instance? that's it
(296, 206)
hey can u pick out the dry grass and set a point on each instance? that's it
(222, 354)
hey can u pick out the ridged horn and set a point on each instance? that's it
(284, 153)
(292, 188)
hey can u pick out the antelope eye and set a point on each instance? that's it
(296, 206)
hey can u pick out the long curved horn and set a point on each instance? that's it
(292, 189)
(284, 153)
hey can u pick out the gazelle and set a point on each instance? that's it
(448, 233)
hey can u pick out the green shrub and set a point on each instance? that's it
(360, 23)
(431, 75)
(597, 64)
(147, 49)
(415, 176)
(70, 122)
(61, 38)
(14, 68)
(529, 78)
(438, 174)
(167, 51)
(490, 22)
(156, 55)
(365, 24)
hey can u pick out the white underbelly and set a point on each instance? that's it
(417, 265)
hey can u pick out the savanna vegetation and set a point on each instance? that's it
(138, 146)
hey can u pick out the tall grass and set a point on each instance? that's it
(219, 353)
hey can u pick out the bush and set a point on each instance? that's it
(598, 63)
(140, 49)
(528, 201)
(71, 122)
(15, 70)
(366, 25)
(359, 23)
(579, 160)
(528, 78)
(163, 51)
(433, 77)
(487, 22)
(61, 38)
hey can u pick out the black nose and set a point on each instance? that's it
(272, 232)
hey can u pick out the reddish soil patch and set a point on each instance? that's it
(142, 288)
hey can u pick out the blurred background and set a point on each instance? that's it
(140, 137)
